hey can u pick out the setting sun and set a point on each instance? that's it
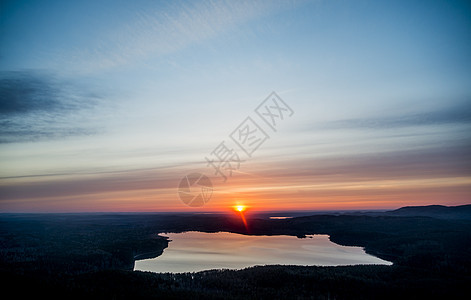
(239, 208)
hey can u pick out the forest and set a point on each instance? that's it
(92, 255)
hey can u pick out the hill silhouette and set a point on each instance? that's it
(434, 211)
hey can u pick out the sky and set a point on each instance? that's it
(110, 105)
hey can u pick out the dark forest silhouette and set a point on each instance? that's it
(92, 255)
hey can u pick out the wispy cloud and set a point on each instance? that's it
(36, 106)
(456, 113)
(158, 30)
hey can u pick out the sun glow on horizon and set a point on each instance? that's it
(240, 208)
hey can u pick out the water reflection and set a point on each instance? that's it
(197, 251)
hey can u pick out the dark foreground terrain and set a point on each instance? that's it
(92, 256)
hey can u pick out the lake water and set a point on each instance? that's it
(197, 251)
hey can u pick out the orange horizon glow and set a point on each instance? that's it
(271, 189)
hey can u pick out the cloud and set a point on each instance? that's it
(36, 106)
(70, 184)
(160, 30)
(459, 113)
(25, 92)
(433, 162)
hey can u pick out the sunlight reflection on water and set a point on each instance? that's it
(198, 251)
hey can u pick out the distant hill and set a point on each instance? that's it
(435, 211)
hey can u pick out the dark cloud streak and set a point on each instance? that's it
(38, 106)
(456, 114)
(24, 92)
(452, 161)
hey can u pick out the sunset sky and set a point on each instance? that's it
(107, 105)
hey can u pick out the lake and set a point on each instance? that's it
(197, 251)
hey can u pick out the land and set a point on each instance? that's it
(93, 255)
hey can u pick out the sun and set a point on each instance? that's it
(239, 208)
